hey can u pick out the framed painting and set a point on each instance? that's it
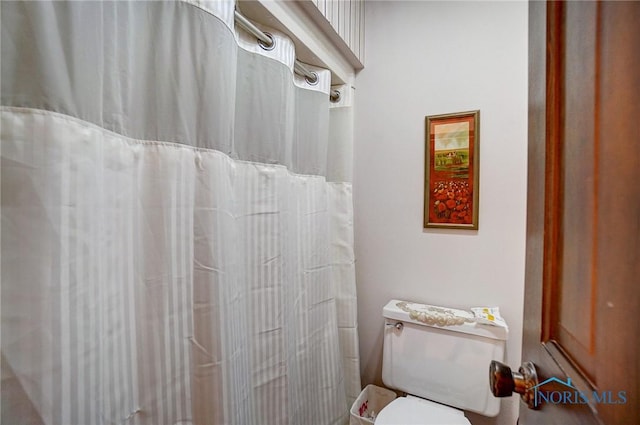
(452, 168)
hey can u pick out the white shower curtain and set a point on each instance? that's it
(177, 242)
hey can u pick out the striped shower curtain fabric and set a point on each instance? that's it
(177, 241)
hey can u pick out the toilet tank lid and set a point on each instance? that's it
(446, 318)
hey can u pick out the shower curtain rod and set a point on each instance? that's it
(266, 41)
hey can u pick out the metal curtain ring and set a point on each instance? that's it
(313, 81)
(264, 45)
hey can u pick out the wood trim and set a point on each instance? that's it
(615, 265)
(596, 172)
(568, 368)
(553, 169)
(618, 339)
(532, 332)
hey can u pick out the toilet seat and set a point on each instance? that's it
(416, 411)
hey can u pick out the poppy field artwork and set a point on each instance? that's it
(451, 170)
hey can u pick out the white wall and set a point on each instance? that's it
(426, 58)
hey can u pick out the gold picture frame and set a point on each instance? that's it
(452, 170)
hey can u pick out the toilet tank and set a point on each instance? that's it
(441, 354)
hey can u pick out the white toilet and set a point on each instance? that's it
(440, 357)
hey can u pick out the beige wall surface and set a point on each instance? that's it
(428, 58)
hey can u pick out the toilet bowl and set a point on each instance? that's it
(416, 411)
(440, 357)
